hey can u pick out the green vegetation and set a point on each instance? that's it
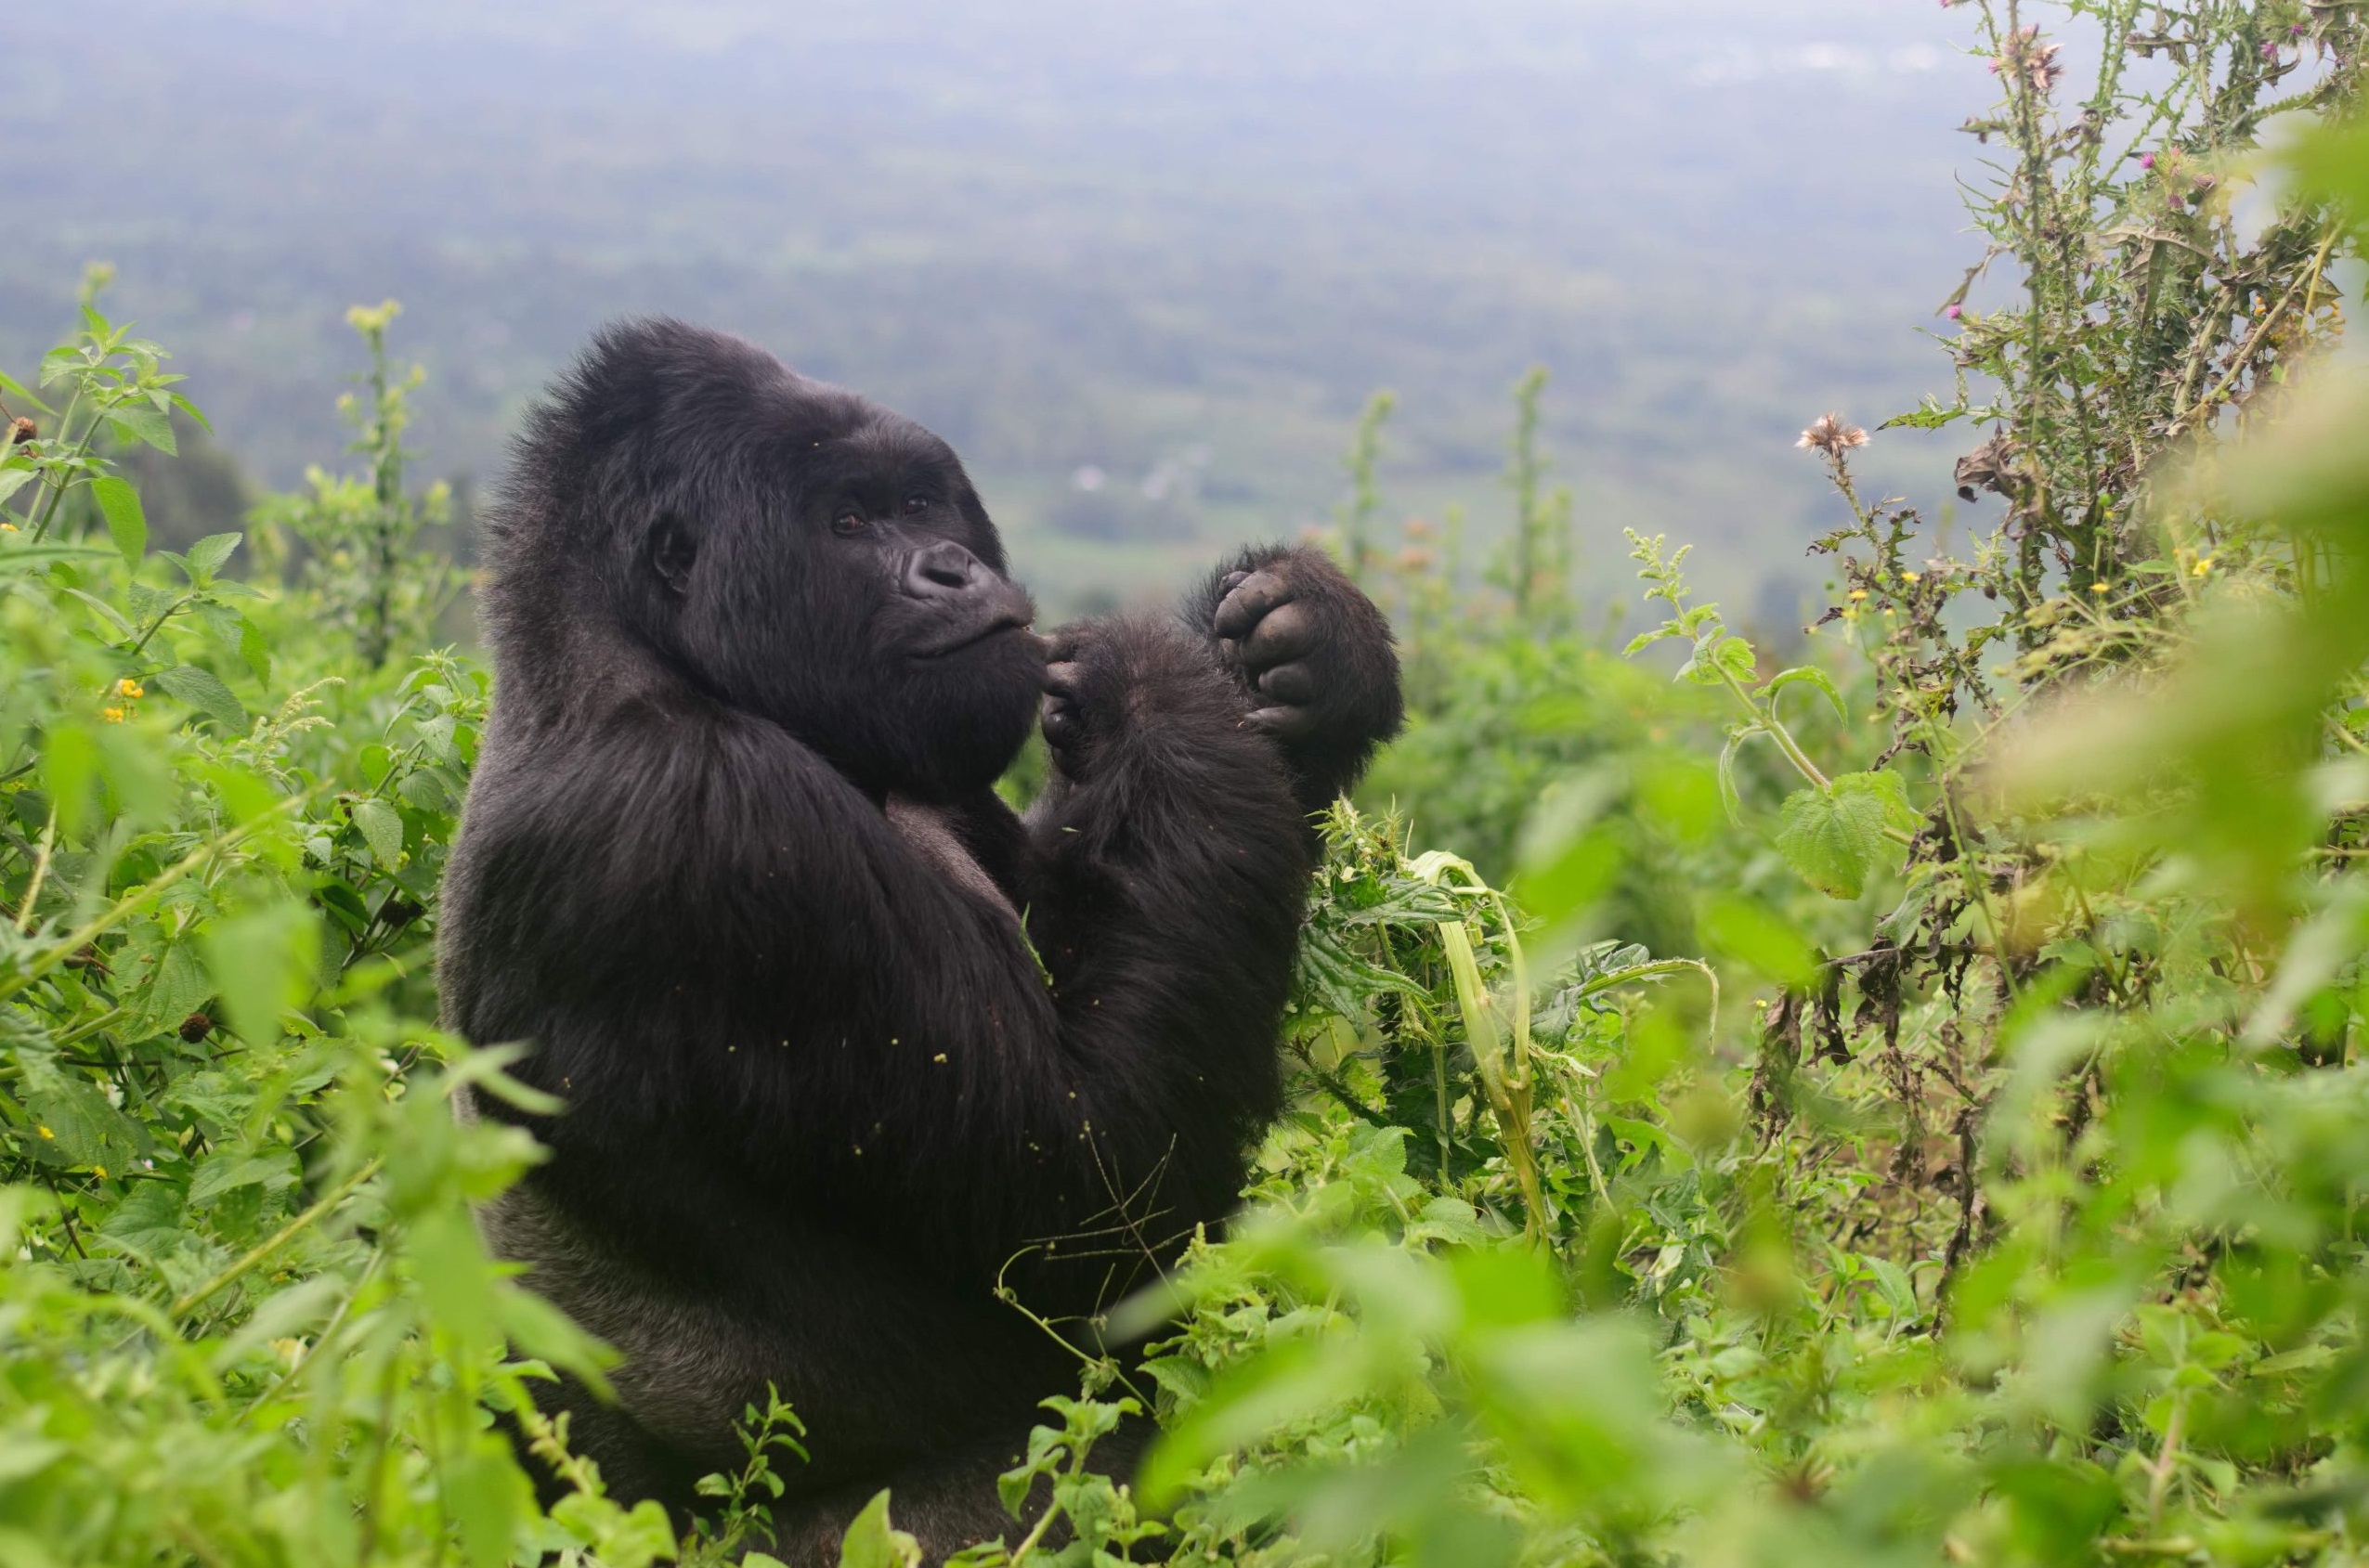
(1901, 1106)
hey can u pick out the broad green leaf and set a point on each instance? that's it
(382, 827)
(481, 1492)
(873, 1542)
(1806, 674)
(20, 393)
(1832, 838)
(148, 1226)
(263, 966)
(127, 522)
(203, 689)
(422, 789)
(134, 421)
(193, 411)
(41, 556)
(73, 1124)
(68, 767)
(14, 478)
(207, 555)
(227, 1171)
(1741, 929)
(449, 1263)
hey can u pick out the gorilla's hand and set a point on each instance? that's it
(1067, 718)
(1313, 650)
(1314, 656)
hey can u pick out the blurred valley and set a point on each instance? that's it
(1141, 265)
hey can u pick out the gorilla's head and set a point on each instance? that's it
(787, 547)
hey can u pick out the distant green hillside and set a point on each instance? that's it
(1174, 252)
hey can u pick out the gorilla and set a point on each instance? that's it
(843, 1043)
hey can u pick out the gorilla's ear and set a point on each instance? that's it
(670, 550)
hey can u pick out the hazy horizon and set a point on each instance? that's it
(1069, 237)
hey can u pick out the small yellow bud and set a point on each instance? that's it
(44, 1130)
(130, 688)
(99, 1171)
(1858, 593)
(112, 715)
(1912, 576)
(2102, 588)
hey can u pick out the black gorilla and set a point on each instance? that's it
(839, 1035)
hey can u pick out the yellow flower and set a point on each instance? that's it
(2204, 565)
(1858, 593)
(99, 1171)
(7, 527)
(112, 715)
(2102, 588)
(44, 1130)
(1911, 576)
(130, 688)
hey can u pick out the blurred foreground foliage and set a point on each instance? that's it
(1990, 1191)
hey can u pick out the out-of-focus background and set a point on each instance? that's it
(1142, 264)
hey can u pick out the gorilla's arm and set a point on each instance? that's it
(1313, 657)
(742, 945)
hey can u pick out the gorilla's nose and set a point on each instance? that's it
(943, 570)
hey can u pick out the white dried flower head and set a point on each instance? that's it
(1831, 436)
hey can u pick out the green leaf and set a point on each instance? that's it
(126, 522)
(14, 478)
(873, 1542)
(192, 410)
(1886, 786)
(382, 827)
(75, 1124)
(23, 393)
(263, 966)
(1929, 415)
(1832, 839)
(135, 421)
(422, 789)
(228, 1171)
(1806, 674)
(207, 555)
(203, 689)
(39, 557)
(148, 1226)
(1740, 928)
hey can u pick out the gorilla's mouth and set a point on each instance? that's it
(949, 646)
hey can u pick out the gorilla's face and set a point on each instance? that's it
(850, 588)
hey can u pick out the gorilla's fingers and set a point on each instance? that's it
(1294, 683)
(1287, 632)
(1232, 581)
(1061, 675)
(1290, 723)
(1257, 594)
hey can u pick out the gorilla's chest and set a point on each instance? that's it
(932, 834)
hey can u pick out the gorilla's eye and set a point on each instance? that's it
(914, 504)
(848, 524)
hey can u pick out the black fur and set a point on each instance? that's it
(732, 866)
